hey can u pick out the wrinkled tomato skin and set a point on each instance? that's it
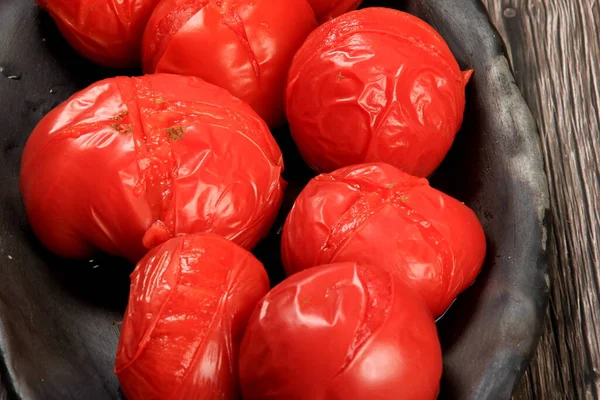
(329, 9)
(375, 85)
(376, 214)
(127, 163)
(107, 32)
(341, 332)
(244, 46)
(189, 303)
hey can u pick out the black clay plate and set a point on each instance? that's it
(57, 337)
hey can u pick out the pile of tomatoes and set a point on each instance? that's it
(178, 172)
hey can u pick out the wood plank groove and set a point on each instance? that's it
(554, 48)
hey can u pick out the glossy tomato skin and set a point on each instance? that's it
(329, 9)
(341, 331)
(189, 303)
(107, 32)
(244, 46)
(376, 214)
(375, 85)
(130, 162)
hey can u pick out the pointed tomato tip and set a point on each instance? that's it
(156, 235)
(467, 76)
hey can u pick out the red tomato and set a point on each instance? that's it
(129, 162)
(341, 331)
(375, 85)
(188, 307)
(328, 9)
(376, 214)
(244, 46)
(108, 32)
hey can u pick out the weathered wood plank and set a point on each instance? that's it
(554, 46)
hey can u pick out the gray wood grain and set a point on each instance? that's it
(554, 47)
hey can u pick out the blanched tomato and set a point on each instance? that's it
(375, 85)
(128, 163)
(328, 9)
(244, 46)
(188, 307)
(376, 214)
(108, 32)
(341, 331)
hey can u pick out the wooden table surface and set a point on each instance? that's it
(554, 46)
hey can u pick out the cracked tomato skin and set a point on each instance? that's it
(128, 163)
(189, 303)
(341, 332)
(329, 9)
(375, 85)
(107, 32)
(376, 214)
(244, 46)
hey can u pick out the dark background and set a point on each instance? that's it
(554, 46)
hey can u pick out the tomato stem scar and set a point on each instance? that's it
(175, 132)
(122, 128)
(121, 115)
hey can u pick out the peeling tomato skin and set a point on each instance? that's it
(375, 85)
(107, 32)
(130, 162)
(244, 46)
(341, 331)
(329, 9)
(189, 303)
(376, 214)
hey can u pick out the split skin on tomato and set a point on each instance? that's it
(375, 85)
(127, 163)
(107, 32)
(189, 303)
(244, 46)
(376, 214)
(341, 332)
